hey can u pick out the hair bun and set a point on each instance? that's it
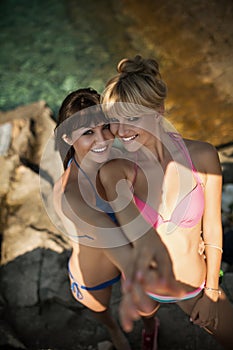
(138, 65)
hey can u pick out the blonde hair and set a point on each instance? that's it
(139, 82)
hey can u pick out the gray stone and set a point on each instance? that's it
(8, 339)
(5, 138)
(20, 280)
(105, 345)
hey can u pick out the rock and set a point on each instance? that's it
(227, 198)
(7, 167)
(8, 340)
(23, 139)
(30, 111)
(228, 285)
(105, 345)
(5, 138)
(228, 247)
(24, 186)
(34, 253)
(226, 158)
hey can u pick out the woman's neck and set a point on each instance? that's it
(154, 150)
(86, 165)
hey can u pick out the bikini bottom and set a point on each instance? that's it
(75, 286)
(169, 299)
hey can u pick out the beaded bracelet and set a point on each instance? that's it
(213, 246)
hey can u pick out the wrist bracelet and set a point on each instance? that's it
(213, 290)
(213, 246)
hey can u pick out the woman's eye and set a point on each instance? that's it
(114, 120)
(88, 132)
(132, 119)
(106, 126)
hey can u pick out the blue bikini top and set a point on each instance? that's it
(100, 202)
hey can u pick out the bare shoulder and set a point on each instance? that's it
(197, 147)
(66, 190)
(204, 156)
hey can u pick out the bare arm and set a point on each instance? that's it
(205, 312)
(92, 227)
(212, 226)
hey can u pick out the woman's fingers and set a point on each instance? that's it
(128, 312)
(133, 303)
(151, 253)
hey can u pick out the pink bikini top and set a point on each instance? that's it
(190, 209)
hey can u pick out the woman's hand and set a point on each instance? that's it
(152, 266)
(134, 303)
(205, 312)
(149, 268)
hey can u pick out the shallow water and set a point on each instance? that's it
(49, 48)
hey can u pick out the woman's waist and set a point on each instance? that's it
(190, 270)
(191, 279)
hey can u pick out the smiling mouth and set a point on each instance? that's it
(130, 138)
(99, 150)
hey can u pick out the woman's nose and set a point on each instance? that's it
(122, 129)
(114, 128)
(100, 137)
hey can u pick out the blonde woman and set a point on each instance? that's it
(174, 185)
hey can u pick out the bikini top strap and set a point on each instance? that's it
(178, 139)
(86, 176)
(69, 162)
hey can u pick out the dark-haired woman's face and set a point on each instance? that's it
(93, 143)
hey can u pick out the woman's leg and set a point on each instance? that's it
(98, 303)
(119, 340)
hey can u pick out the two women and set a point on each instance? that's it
(101, 251)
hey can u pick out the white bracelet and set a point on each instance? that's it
(213, 246)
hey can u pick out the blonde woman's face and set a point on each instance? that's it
(134, 132)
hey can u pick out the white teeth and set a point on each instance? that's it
(126, 139)
(99, 150)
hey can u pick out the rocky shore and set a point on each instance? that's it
(37, 310)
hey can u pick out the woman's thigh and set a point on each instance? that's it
(96, 300)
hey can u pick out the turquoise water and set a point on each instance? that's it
(36, 40)
(49, 48)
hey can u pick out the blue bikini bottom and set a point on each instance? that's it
(75, 287)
